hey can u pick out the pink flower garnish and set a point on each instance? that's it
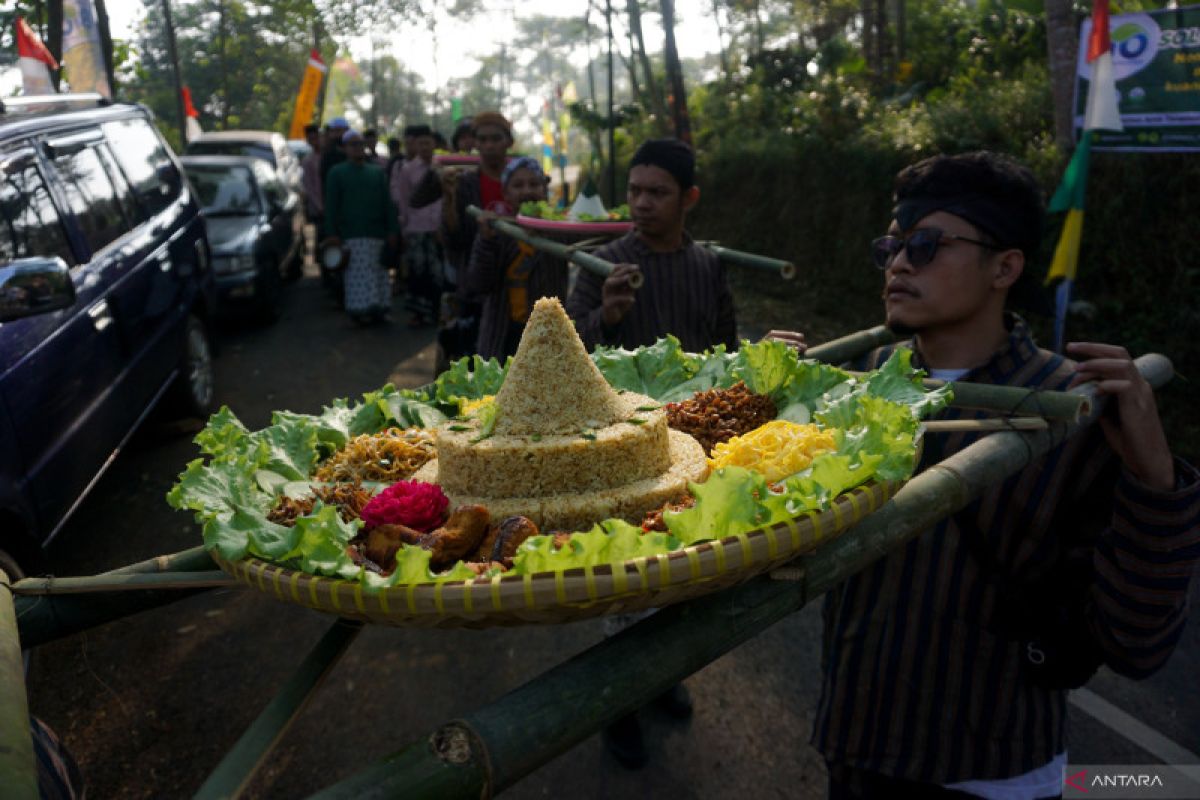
(420, 506)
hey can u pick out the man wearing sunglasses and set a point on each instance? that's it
(947, 664)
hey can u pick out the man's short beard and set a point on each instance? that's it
(902, 329)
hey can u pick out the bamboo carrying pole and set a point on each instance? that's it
(1015, 400)
(985, 425)
(230, 777)
(127, 582)
(988, 397)
(851, 346)
(566, 252)
(44, 618)
(18, 767)
(492, 748)
(785, 269)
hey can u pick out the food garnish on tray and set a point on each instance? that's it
(552, 462)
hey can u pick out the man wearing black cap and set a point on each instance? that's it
(947, 664)
(684, 293)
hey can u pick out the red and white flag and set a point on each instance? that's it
(1102, 112)
(193, 129)
(34, 60)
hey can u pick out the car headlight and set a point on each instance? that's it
(224, 265)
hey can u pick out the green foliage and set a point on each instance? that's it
(799, 147)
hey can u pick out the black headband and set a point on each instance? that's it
(997, 219)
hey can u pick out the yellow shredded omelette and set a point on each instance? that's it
(776, 450)
(469, 407)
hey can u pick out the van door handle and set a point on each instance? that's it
(164, 262)
(101, 316)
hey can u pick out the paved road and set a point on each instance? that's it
(150, 704)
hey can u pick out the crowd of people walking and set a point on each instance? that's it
(400, 224)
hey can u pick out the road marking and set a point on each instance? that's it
(1132, 728)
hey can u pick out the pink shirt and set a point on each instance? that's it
(404, 180)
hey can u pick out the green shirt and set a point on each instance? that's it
(358, 204)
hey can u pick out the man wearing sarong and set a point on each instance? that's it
(947, 663)
(685, 291)
(510, 275)
(360, 215)
(423, 257)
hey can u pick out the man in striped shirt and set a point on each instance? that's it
(685, 292)
(946, 664)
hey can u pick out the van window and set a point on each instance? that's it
(91, 197)
(144, 160)
(124, 193)
(29, 223)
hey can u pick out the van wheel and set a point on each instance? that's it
(194, 390)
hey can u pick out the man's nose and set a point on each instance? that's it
(900, 263)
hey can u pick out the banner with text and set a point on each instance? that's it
(306, 99)
(1156, 60)
(82, 57)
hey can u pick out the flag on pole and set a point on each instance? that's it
(306, 98)
(82, 57)
(193, 129)
(34, 61)
(547, 140)
(1101, 114)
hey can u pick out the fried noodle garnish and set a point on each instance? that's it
(386, 457)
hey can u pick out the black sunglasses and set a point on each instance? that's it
(919, 246)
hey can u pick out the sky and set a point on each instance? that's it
(460, 43)
(696, 34)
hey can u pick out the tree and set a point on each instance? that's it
(1062, 44)
(679, 110)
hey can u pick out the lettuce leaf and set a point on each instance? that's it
(899, 382)
(609, 542)
(652, 371)
(468, 378)
(728, 503)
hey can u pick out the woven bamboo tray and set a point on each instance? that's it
(574, 594)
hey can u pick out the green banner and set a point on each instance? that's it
(1156, 61)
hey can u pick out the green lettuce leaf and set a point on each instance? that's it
(652, 370)
(713, 373)
(899, 382)
(771, 367)
(728, 503)
(320, 541)
(608, 542)
(469, 378)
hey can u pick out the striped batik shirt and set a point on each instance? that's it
(509, 277)
(919, 679)
(685, 294)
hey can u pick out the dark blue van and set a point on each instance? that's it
(105, 290)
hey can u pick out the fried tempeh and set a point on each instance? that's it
(459, 537)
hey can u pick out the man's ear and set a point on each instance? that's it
(690, 198)
(1009, 266)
